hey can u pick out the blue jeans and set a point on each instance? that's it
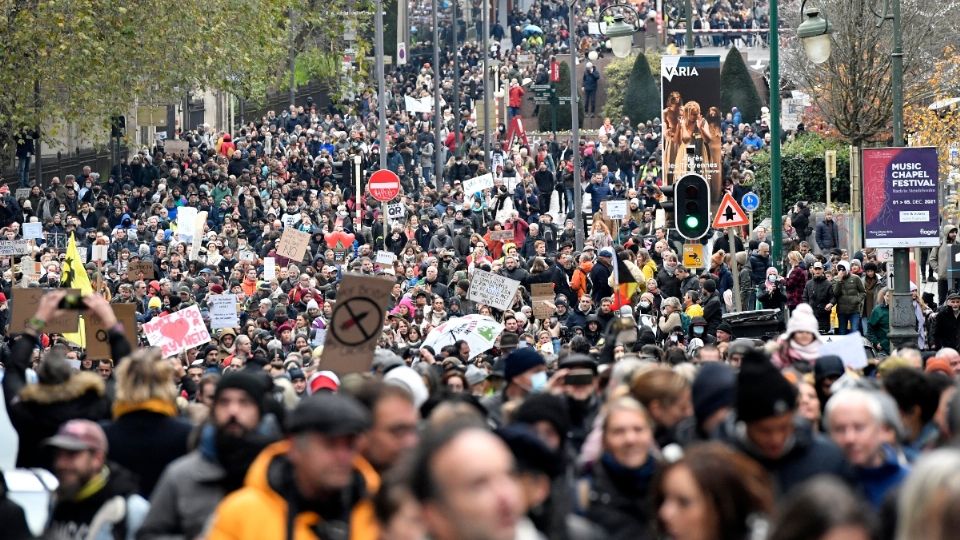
(427, 173)
(23, 171)
(849, 322)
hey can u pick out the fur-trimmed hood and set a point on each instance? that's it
(77, 385)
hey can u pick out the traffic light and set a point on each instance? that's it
(667, 205)
(692, 206)
(118, 126)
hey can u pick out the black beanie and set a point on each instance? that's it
(545, 408)
(762, 392)
(252, 383)
(714, 388)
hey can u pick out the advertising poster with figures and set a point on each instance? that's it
(900, 197)
(692, 137)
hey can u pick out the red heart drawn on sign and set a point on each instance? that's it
(176, 330)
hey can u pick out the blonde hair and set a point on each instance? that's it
(660, 384)
(145, 376)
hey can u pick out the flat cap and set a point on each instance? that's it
(329, 414)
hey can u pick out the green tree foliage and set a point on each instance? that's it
(802, 171)
(641, 101)
(737, 88)
(563, 109)
(91, 59)
(617, 75)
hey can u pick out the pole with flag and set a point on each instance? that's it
(74, 276)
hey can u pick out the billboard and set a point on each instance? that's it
(900, 197)
(691, 117)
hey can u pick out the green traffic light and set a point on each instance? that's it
(692, 222)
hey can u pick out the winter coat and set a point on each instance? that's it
(73, 519)
(818, 293)
(828, 236)
(849, 294)
(668, 283)
(795, 282)
(599, 276)
(186, 495)
(871, 287)
(878, 327)
(713, 313)
(145, 440)
(940, 257)
(259, 511)
(810, 455)
(616, 498)
(758, 268)
(946, 332)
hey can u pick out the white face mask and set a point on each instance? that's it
(772, 278)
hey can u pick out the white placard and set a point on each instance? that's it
(289, 220)
(223, 311)
(386, 257)
(83, 251)
(396, 211)
(186, 223)
(617, 209)
(100, 252)
(473, 185)
(849, 348)
(32, 230)
(178, 331)
(9, 248)
(269, 268)
(493, 290)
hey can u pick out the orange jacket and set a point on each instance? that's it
(257, 512)
(578, 283)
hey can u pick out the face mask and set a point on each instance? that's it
(538, 381)
(644, 305)
(772, 278)
(698, 330)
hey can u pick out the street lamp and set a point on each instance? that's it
(903, 321)
(621, 36)
(815, 31)
(574, 110)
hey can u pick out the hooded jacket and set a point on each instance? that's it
(849, 293)
(940, 257)
(260, 510)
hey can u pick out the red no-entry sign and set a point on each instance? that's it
(384, 185)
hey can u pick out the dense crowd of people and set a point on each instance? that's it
(646, 404)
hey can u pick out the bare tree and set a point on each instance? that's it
(853, 88)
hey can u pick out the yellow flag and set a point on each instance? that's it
(74, 276)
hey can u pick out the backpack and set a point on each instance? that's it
(685, 322)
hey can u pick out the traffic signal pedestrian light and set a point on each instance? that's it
(667, 205)
(691, 206)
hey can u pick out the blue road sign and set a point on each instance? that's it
(750, 202)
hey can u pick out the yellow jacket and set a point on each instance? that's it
(258, 512)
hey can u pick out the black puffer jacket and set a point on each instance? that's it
(616, 498)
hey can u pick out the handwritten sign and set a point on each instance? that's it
(542, 297)
(492, 290)
(137, 270)
(386, 258)
(10, 248)
(355, 324)
(177, 332)
(98, 344)
(478, 183)
(223, 311)
(502, 236)
(616, 209)
(22, 193)
(293, 244)
(25, 302)
(32, 231)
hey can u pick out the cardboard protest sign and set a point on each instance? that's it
(293, 244)
(98, 345)
(355, 324)
(174, 147)
(32, 231)
(11, 248)
(25, 302)
(137, 270)
(223, 311)
(492, 290)
(177, 332)
(386, 257)
(542, 297)
(502, 236)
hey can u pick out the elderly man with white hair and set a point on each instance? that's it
(855, 420)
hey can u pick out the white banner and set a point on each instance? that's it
(414, 105)
(223, 311)
(492, 290)
(478, 183)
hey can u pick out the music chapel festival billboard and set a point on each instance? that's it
(691, 117)
(900, 197)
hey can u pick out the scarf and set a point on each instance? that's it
(159, 406)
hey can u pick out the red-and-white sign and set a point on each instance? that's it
(177, 332)
(729, 214)
(384, 185)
